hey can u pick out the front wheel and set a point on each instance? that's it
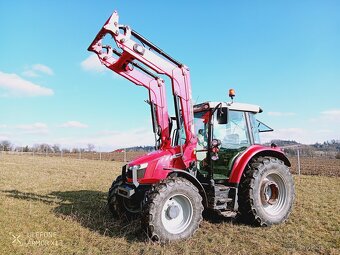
(173, 210)
(266, 193)
(122, 207)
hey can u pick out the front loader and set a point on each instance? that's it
(207, 157)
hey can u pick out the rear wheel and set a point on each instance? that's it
(266, 192)
(173, 210)
(122, 207)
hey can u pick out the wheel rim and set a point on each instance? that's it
(177, 213)
(274, 194)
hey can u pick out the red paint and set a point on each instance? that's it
(157, 161)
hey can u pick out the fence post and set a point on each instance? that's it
(298, 160)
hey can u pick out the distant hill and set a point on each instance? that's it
(283, 143)
(327, 148)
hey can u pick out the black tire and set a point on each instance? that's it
(173, 210)
(121, 207)
(266, 192)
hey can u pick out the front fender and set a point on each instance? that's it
(254, 150)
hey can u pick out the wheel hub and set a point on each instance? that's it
(177, 213)
(270, 192)
(172, 211)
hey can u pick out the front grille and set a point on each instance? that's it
(140, 173)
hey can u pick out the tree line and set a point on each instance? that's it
(326, 148)
(6, 145)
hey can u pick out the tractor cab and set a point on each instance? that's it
(224, 131)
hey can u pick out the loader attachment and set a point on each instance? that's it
(126, 64)
(141, 62)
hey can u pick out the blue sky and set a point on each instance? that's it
(281, 55)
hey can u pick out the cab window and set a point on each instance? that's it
(234, 134)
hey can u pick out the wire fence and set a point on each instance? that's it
(306, 165)
(123, 156)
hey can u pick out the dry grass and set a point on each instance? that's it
(58, 206)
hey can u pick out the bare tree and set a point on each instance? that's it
(6, 145)
(56, 148)
(64, 150)
(75, 150)
(44, 147)
(18, 148)
(90, 147)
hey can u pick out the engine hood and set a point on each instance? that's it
(152, 157)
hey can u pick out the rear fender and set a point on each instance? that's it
(193, 180)
(253, 151)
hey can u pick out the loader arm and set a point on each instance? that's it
(141, 62)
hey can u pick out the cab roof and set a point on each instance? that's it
(231, 105)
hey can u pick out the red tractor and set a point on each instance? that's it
(208, 156)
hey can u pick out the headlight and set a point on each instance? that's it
(137, 167)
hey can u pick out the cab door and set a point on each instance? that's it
(234, 137)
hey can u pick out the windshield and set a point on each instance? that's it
(232, 135)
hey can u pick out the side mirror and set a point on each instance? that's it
(222, 115)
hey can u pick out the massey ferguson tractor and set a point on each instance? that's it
(207, 157)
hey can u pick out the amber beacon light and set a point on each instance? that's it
(231, 93)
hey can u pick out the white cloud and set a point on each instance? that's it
(302, 135)
(92, 63)
(29, 73)
(43, 69)
(296, 134)
(36, 70)
(109, 139)
(281, 114)
(37, 125)
(332, 115)
(3, 126)
(327, 118)
(73, 124)
(14, 85)
(35, 128)
(3, 137)
(123, 139)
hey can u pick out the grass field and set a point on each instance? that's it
(58, 206)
